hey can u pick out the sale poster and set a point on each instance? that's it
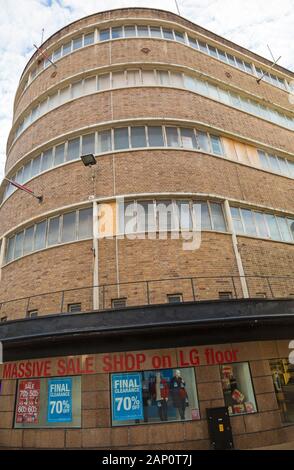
(28, 402)
(59, 400)
(127, 403)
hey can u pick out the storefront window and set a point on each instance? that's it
(283, 378)
(53, 402)
(154, 396)
(237, 387)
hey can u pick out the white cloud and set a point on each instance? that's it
(252, 24)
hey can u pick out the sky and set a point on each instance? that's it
(250, 23)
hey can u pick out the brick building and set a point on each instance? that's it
(116, 339)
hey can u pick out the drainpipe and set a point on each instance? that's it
(96, 256)
(236, 250)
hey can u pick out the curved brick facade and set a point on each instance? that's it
(254, 262)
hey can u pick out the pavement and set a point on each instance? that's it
(284, 446)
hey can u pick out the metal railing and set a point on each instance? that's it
(147, 292)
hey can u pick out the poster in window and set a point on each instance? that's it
(28, 402)
(127, 402)
(59, 400)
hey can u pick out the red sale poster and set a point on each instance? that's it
(28, 402)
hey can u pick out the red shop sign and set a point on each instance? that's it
(28, 402)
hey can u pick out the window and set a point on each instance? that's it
(35, 170)
(64, 95)
(104, 81)
(161, 396)
(68, 227)
(174, 298)
(283, 378)
(138, 137)
(59, 155)
(88, 144)
(40, 235)
(284, 229)
(104, 34)
(66, 48)
(203, 141)
(121, 138)
(179, 37)
(193, 42)
(155, 32)
(90, 85)
(53, 231)
(130, 31)
(225, 295)
(28, 240)
(237, 221)
(237, 388)
(104, 141)
(183, 216)
(216, 144)
(248, 221)
(47, 403)
(118, 79)
(163, 77)
(172, 136)
(32, 313)
(205, 217)
(145, 216)
(203, 47)
(188, 138)
(73, 149)
(155, 136)
(47, 160)
(117, 32)
(261, 225)
(73, 308)
(164, 215)
(217, 215)
(134, 78)
(77, 89)
(212, 51)
(273, 227)
(88, 39)
(231, 60)
(85, 223)
(119, 303)
(263, 159)
(148, 77)
(77, 43)
(18, 249)
(167, 33)
(27, 171)
(143, 31)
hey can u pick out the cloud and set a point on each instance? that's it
(252, 24)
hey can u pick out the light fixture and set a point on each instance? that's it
(88, 160)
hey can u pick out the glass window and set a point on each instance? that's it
(134, 78)
(104, 81)
(59, 155)
(212, 51)
(118, 79)
(145, 216)
(217, 215)
(36, 166)
(172, 136)
(283, 378)
(184, 215)
(47, 160)
(193, 42)
(283, 165)
(77, 43)
(53, 101)
(88, 39)
(237, 221)
(273, 227)
(188, 138)
(88, 144)
(77, 89)
(28, 240)
(179, 36)
(128, 217)
(261, 224)
(203, 141)
(167, 33)
(90, 85)
(291, 226)
(240, 64)
(249, 222)
(237, 388)
(148, 77)
(176, 79)
(68, 227)
(27, 171)
(117, 32)
(164, 215)
(121, 138)
(231, 59)
(155, 32)
(248, 67)
(73, 149)
(19, 176)
(64, 95)
(161, 396)
(189, 83)
(205, 216)
(104, 141)
(130, 31)
(18, 249)
(284, 229)
(40, 235)
(10, 249)
(53, 231)
(216, 144)
(47, 403)
(85, 229)
(291, 166)
(104, 34)
(66, 48)
(203, 47)
(263, 160)
(143, 31)
(163, 77)
(57, 54)
(155, 137)
(222, 55)
(235, 100)
(138, 137)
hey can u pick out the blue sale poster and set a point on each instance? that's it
(59, 400)
(127, 402)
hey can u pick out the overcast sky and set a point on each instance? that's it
(250, 23)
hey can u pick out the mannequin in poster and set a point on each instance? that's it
(178, 393)
(160, 393)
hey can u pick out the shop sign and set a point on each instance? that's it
(127, 403)
(59, 400)
(28, 402)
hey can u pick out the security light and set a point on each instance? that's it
(89, 159)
